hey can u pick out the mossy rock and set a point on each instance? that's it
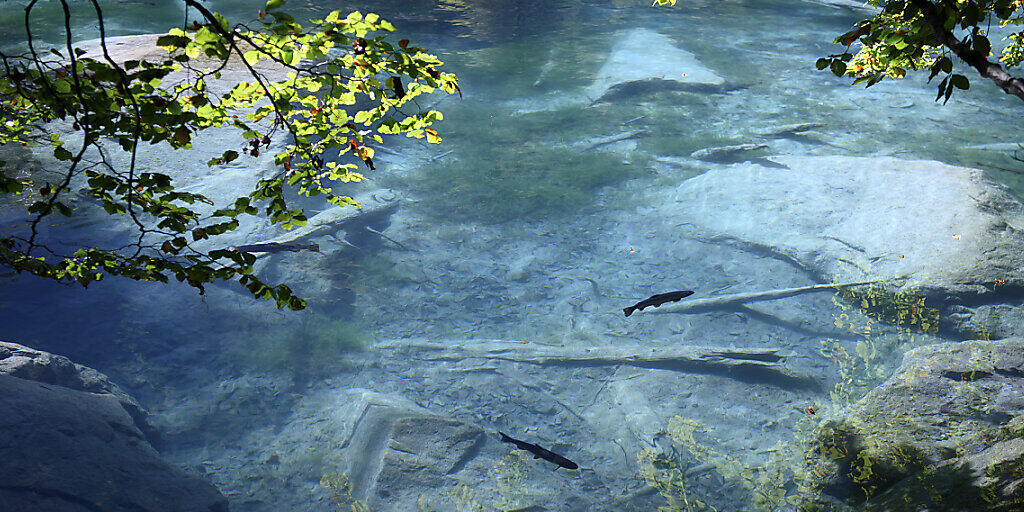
(944, 433)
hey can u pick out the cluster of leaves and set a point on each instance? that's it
(926, 35)
(300, 83)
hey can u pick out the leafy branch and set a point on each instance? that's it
(300, 82)
(927, 35)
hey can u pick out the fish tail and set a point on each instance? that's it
(629, 311)
(504, 438)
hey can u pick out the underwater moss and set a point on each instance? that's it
(784, 482)
(874, 474)
(877, 351)
(510, 479)
(664, 475)
(341, 489)
(904, 310)
(465, 500)
(308, 347)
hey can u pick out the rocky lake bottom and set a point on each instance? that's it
(480, 289)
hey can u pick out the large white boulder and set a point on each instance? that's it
(644, 56)
(947, 229)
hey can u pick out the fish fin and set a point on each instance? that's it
(504, 438)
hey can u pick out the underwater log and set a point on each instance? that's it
(733, 300)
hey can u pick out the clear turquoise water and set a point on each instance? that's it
(509, 185)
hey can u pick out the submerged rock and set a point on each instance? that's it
(726, 154)
(788, 130)
(946, 430)
(379, 449)
(945, 229)
(70, 450)
(394, 451)
(644, 61)
(31, 364)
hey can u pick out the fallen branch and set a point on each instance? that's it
(732, 300)
(388, 238)
(760, 365)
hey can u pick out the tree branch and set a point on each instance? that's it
(991, 70)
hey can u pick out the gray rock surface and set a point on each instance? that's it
(846, 217)
(31, 364)
(394, 451)
(642, 55)
(63, 450)
(944, 393)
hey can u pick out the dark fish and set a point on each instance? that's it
(657, 300)
(540, 453)
(278, 247)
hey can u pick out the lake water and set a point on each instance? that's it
(516, 244)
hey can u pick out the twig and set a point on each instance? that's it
(388, 238)
(603, 141)
(442, 155)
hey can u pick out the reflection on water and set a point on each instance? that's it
(543, 213)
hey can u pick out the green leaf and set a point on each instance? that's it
(960, 82)
(982, 45)
(62, 154)
(838, 67)
(172, 41)
(821, 63)
(62, 209)
(274, 4)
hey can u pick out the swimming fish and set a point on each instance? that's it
(657, 300)
(540, 453)
(278, 247)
